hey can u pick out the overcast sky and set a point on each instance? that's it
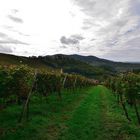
(104, 28)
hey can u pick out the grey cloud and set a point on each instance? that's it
(73, 39)
(78, 37)
(89, 23)
(3, 35)
(69, 41)
(133, 43)
(14, 11)
(63, 47)
(5, 39)
(12, 41)
(130, 50)
(5, 49)
(20, 33)
(8, 27)
(132, 55)
(93, 39)
(72, 14)
(15, 19)
(86, 27)
(11, 28)
(135, 7)
(99, 8)
(86, 4)
(115, 25)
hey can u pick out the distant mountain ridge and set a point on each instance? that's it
(89, 66)
(95, 61)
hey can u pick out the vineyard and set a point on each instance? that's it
(126, 88)
(39, 104)
(18, 83)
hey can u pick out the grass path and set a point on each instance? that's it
(89, 114)
(86, 122)
(99, 118)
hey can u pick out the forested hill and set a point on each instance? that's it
(118, 66)
(89, 66)
(107, 65)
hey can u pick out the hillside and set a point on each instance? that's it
(118, 66)
(6, 59)
(89, 66)
(67, 63)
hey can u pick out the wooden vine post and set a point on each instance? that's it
(25, 110)
(64, 81)
(74, 84)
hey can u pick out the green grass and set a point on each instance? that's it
(100, 118)
(88, 114)
(47, 116)
(116, 126)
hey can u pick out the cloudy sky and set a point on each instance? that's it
(105, 28)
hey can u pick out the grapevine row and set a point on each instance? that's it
(126, 88)
(16, 82)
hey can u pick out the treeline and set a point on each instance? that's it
(126, 88)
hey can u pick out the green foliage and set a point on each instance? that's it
(18, 81)
(5, 82)
(48, 83)
(127, 89)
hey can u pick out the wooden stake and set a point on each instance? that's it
(26, 105)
